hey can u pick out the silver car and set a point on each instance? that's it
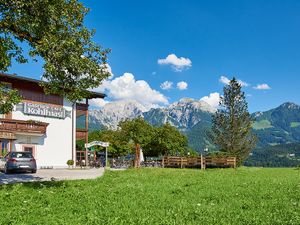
(18, 161)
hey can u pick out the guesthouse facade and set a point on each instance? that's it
(44, 124)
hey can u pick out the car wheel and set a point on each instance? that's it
(6, 171)
(33, 171)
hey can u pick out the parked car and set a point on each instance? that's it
(18, 161)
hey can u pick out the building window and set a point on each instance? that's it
(29, 148)
(4, 145)
(81, 119)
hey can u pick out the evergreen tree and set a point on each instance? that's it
(232, 123)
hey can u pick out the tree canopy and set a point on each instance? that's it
(8, 98)
(137, 130)
(118, 146)
(136, 133)
(232, 123)
(54, 30)
(167, 140)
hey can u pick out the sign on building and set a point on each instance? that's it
(96, 143)
(45, 110)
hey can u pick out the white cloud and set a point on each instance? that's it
(225, 80)
(98, 102)
(178, 64)
(182, 85)
(262, 87)
(243, 83)
(107, 69)
(126, 87)
(213, 99)
(166, 85)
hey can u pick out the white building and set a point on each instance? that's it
(46, 125)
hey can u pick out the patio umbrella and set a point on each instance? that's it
(141, 155)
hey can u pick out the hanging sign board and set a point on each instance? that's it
(96, 143)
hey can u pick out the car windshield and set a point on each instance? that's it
(21, 155)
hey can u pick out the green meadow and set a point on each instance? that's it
(159, 196)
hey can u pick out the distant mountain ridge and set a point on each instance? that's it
(193, 117)
(112, 113)
(184, 114)
(278, 126)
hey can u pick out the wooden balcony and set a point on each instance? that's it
(81, 134)
(23, 126)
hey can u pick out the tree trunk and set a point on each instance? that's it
(137, 163)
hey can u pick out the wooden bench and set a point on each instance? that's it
(198, 162)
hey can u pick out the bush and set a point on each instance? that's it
(70, 162)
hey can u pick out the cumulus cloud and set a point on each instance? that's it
(225, 80)
(98, 102)
(262, 87)
(243, 83)
(166, 85)
(178, 64)
(182, 85)
(106, 68)
(212, 99)
(126, 87)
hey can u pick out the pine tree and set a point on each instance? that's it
(232, 123)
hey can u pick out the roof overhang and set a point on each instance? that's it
(92, 94)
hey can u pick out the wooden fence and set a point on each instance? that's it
(198, 162)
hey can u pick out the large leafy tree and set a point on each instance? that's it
(118, 145)
(232, 123)
(167, 140)
(54, 31)
(139, 132)
(8, 98)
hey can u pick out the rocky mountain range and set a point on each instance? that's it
(193, 117)
(112, 113)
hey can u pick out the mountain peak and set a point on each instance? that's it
(112, 113)
(186, 100)
(289, 105)
(193, 103)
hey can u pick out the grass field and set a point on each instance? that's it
(295, 124)
(263, 124)
(159, 196)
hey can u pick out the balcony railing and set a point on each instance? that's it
(10, 125)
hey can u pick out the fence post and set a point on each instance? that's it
(202, 163)
(163, 162)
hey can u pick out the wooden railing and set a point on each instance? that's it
(198, 162)
(9, 125)
(220, 162)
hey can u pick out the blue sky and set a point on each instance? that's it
(256, 41)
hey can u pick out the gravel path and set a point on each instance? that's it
(51, 174)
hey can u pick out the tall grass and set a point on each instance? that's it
(159, 196)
